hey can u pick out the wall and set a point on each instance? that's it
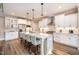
(1, 28)
(1, 25)
(35, 26)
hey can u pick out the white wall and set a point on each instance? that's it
(1, 25)
(1, 28)
(35, 26)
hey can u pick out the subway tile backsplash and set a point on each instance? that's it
(67, 29)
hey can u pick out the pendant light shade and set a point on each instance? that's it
(42, 9)
(33, 13)
(27, 15)
(41, 3)
(32, 9)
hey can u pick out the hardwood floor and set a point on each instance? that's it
(2, 47)
(60, 49)
(14, 48)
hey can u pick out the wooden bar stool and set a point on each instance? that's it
(35, 49)
(26, 44)
(29, 47)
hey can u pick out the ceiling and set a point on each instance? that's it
(20, 9)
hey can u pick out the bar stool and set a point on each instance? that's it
(29, 45)
(38, 49)
(35, 49)
(23, 40)
(26, 43)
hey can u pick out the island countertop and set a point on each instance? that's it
(39, 35)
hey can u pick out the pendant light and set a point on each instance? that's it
(33, 13)
(42, 9)
(28, 19)
(27, 15)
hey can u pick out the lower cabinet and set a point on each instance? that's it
(68, 39)
(73, 40)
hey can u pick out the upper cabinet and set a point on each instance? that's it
(70, 20)
(22, 21)
(66, 20)
(11, 24)
(59, 20)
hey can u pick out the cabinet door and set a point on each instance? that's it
(59, 20)
(71, 20)
(73, 40)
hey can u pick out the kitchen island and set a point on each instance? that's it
(45, 41)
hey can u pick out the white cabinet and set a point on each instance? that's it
(59, 20)
(11, 35)
(22, 21)
(68, 39)
(73, 40)
(11, 24)
(66, 20)
(70, 20)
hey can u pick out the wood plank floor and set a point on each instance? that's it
(60, 49)
(2, 47)
(14, 48)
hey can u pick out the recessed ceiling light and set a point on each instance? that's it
(59, 7)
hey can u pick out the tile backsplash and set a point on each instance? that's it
(67, 29)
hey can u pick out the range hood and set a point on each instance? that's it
(51, 21)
